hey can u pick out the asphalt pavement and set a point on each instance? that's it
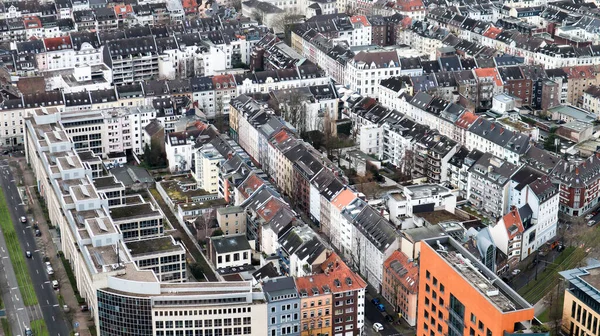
(16, 311)
(48, 304)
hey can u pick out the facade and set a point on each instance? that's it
(400, 285)
(580, 314)
(230, 251)
(163, 256)
(232, 220)
(283, 306)
(455, 298)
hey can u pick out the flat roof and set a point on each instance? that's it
(151, 246)
(475, 273)
(132, 211)
(107, 182)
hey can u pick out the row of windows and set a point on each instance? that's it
(201, 312)
(202, 323)
(210, 332)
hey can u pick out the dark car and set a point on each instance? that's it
(389, 318)
(560, 248)
(38, 233)
(28, 254)
(35, 226)
(375, 301)
(84, 308)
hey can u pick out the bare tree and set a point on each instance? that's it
(294, 111)
(237, 4)
(283, 22)
(219, 122)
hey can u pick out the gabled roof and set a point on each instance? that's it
(513, 224)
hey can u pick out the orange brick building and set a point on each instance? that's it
(459, 296)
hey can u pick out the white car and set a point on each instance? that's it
(377, 326)
(515, 272)
(589, 216)
(49, 268)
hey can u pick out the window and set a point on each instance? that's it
(480, 326)
(434, 281)
(427, 275)
(441, 288)
(473, 318)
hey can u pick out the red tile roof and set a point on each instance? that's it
(123, 10)
(489, 72)
(270, 208)
(250, 185)
(337, 276)
(32, 22)
(492, 32)
(580, 72)
(223, 81)
(409, 5)
(513, 223)
(466, 120)
(281, 136)
(360, 18)
(405, 271)
(58, 43)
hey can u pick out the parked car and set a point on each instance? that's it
(591, 223)
(49, 268)
(28, 254)
(28, 332)
(23, 219)
(380, 307)
(589, 216)
(515, 272)
(38, 233)
(560, 248)
(55, 284)
(84, 308)
(376, 301)
(35, 226)
(377, 326)
(389, 318)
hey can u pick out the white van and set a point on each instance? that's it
(55, 284)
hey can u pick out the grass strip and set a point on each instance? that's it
(39, 328)
(16, 253)
(5, 326)
(548, 279)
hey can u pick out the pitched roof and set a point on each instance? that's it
(404, 270)
(513, 223)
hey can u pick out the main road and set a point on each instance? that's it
(48, 303)
(16, 311)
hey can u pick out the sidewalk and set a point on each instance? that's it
(49, 249)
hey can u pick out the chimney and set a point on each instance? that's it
(492, 127)
(490, 169)
(502, 130)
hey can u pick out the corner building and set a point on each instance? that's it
(459, 296)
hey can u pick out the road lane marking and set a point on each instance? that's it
(55, 305)
(47, 302)
(42, 285)
(20, 308)
(53, 319)
(36, 271)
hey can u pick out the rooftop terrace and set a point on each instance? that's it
(132, 211)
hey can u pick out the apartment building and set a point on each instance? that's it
(124, 299)
(591, 99)
(400, 285)
(332, 301)
(132, 59)
(283, 305)
(578, 185)
(206, 170)
(489, 184)
(374, 240)
(367, 68)
(459, 295)
(579, 313)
